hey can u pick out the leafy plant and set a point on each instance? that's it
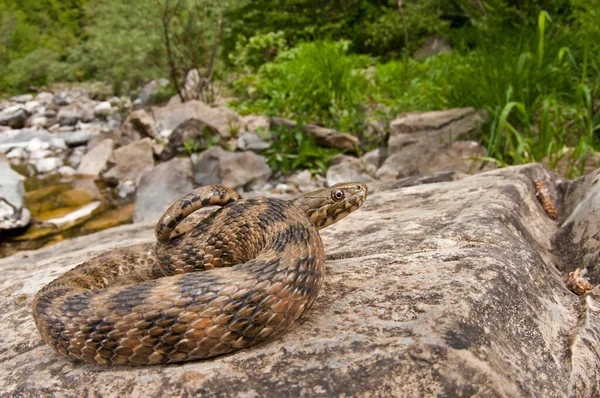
(319, 81)
(293, 149)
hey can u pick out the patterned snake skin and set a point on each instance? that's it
(260, 265)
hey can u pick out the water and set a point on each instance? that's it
(54, 199)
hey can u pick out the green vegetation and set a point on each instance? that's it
(533, 65)
(293, 150)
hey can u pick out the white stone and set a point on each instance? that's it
(37, 145)
(47, 165)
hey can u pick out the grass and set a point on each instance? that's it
(538, 88)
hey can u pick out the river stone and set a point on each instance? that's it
(323, 136)
(232, 169)
(221, 119)
(348, 168)
(95, 161)
(13, 117)
(444, 289)
(160, 187)
(130, 162)
(13, 213)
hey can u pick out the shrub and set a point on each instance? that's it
(318, 81)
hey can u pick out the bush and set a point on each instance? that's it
(317, 81)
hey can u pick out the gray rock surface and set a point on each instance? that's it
(232, 169)
(192, 132)
(76, 138)
(14, 117)
(13, 213)
(95, 161)
(173, 114)
(348, 168)
(444, 289)
(130, 162)
(160, 187)
(252, 142)
(47, 165)
(421, 143)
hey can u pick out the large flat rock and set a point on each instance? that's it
(442, 289)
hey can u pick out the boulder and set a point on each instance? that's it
(13, 213)
(130, 162)
(421, 143)
(232, 169)
(47, 165)
(23, 98)
(252, 142)
(193, 135)
(141, 122)
(160, 187)
(323, 136)
(221, 119)
(69, 115)
(348, 168)
(442, 289)
(375, 156)
(77, 138)
(14, 117)
(95, 161)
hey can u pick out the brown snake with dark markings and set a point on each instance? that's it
(260, 265)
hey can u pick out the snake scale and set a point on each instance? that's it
(240, 275)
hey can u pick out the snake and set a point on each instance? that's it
(206, 287)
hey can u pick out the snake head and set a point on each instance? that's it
(329, 205)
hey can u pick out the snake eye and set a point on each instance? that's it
(337, 195)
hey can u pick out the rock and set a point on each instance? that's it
(78, 137)
(191, 85)
(61, 99)
(45, 97)
(16, 153)
(66, 171)
(252, 142)
(31, 106)
(38, 121)
(130, 162)
(578, 211)
(192, 135)
(23, 98)
(257, 124)
(104, 108)
(419, 140)
(142, 122)
(76, 156)
(13, 117)
(13, 213)
(69, 115)
(345, 168)
(221, 119)
(301, 179)
(375, 156)
(323, 136)
(95, 161)
(444, 289)
(232, 169)
(47, 165)
(160, 187)
(76, 217)
(433, 46)
(150, 90)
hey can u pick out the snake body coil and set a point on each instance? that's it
(240, 275)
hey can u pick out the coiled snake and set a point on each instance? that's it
(260, 265)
